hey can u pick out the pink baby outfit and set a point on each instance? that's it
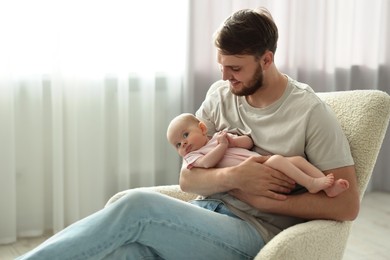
(233, 156)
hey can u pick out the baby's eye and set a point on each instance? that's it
(185, 135)
(178, 145)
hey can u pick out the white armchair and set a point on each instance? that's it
(364, 116)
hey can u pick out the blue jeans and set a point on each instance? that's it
(149, 225)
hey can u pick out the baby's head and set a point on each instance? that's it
(187, 133)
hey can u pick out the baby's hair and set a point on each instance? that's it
(188, 118)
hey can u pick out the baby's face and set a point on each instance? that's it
(188, 138)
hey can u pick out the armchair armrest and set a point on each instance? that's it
(309, 240)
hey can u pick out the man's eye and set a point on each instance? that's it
(236, 69)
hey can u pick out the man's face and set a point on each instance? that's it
(244, 73)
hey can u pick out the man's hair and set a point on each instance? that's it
(248, 31)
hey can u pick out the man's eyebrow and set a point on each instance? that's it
(230, 66)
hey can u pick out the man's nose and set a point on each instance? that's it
(226, 75)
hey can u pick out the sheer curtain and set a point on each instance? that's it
(331, 45)
(87, 89)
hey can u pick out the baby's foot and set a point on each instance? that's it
(321, 183)
(338, 187)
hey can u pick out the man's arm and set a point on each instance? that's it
(250, 175)
(343, 207)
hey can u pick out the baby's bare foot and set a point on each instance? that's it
(321, 183)
(338, 187)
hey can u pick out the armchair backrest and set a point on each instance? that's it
(364, 117)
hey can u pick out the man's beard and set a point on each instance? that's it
(253, 85)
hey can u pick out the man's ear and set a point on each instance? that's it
(267, 59)
(203, 127)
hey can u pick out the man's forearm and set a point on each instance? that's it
(316, 206)
(205, 181)
(251, 177)
(343, 207)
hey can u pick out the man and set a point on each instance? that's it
(246, 46)
(282, 116)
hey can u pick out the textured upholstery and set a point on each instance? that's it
(364, 116)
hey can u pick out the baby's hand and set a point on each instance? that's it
(230, 138)
(222, 138)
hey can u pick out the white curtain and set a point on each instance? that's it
(87, 89)
(332, 45)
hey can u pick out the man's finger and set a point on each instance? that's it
(260, 159)
(277, 196)
(280, 189)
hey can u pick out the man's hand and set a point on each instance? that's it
(263, 203)
(252, 178)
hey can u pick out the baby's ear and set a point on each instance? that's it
(203, 127)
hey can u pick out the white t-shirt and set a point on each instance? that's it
(298, 124)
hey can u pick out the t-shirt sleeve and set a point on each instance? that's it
(190, 159)
(209, 111)
(326, 144)
(204, 113)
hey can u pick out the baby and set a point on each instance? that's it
(189, 137)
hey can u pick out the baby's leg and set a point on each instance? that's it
(338, 187)
(305, 166)
(320, 183)
(297, 173)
